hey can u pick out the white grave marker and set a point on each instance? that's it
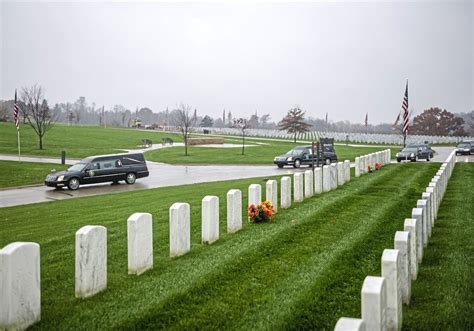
(391, 271)
(350, 324)
(326, 178)
(411, 227)
(347, 173)
(340, 174)
(20, 294)
(285, 192)
(402, 244)
(210, 219)
(272, 193)
(298, 187)
(255, 194)
(318, 180)
(180, 229)
(333, 173)
(308, 184)
(421, 204)
(91, 260)
(374, 303)
(140, 243)
(234, 211)
(417, 213)
(429, 224)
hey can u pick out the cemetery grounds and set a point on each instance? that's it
(302, 271)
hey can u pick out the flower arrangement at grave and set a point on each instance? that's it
(261, 213)
(370, 168)
(378, 166)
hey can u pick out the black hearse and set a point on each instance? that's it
(100, 169)
(303, 155)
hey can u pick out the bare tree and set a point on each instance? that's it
(184, 120)
(398, 126)
(242, 124)
(37, 112)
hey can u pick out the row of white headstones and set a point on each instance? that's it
(382, 297)
(20, 304)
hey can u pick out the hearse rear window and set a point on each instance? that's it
(131, 160)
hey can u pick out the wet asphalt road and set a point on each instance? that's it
(162, 175)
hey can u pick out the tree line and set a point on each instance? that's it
(36, 112)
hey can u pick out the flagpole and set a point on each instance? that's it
(19, 159)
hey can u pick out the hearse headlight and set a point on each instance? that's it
(60, 178)
(412, 155)
(396, 155)
(290, 158)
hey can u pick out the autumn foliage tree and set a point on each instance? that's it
(437, 122)
(294, 122)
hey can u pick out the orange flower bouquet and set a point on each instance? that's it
(261, 213)
(370, 168)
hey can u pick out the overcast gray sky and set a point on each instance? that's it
(342, 58)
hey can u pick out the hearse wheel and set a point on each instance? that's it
(297, 163)
(130, 178)
(73, 184)
(280, 166)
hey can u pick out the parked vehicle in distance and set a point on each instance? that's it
(425, 151)
(303, 155)
(100, 169)
(412, 154)
(464, 148)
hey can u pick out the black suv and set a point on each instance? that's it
(415, 153)
(100, 169)
(303, 155)
(465, 148)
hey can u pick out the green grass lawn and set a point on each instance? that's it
(443, 294)
(82, 141)
(262, 154)
(16, 173)
(77, 141)
(303, 271)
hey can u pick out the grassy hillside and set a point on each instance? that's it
(303, 271)
(77, 141)
(261, 154)
(25, 173)
(443, 295)
(82, 141)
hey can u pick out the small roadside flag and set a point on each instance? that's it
(16, 118)
(16, 113)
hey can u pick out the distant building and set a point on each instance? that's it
(137, 123)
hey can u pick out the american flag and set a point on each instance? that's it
(16, 114)
(405, 111)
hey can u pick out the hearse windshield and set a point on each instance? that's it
(410, 150)
(77, 167)
(296, 151)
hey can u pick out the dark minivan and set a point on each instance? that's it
(100, 169)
